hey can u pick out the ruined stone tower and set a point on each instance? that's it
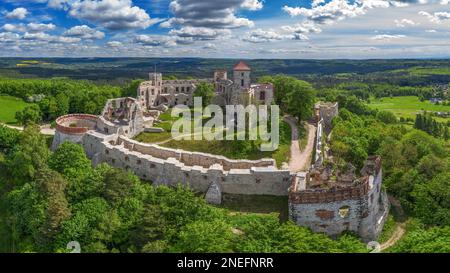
(241, 75)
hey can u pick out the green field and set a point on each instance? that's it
(8, 108)
(408, 106)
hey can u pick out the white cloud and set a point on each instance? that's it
(8, 37)
(437, 17)
(84, 32)
(45, 37)
(31, 27)
(114, 44)
(263, 36)
(304, 28)
(112, 14)
(18, 13)
(58, 4)
(151, 40)
(252, 4)
(210, 46)
(404, 23)
(14, 28)
(387, 37)
(35, 27)
(200, 33)
(430, 31)
(207, 20)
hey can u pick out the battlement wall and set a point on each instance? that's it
(162, 168)
(193, 158)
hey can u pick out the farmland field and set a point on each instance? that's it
(9, 107)
(407, 107)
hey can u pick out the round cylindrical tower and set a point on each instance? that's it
(72, 128)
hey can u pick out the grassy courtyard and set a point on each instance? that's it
(408, 106)
(229, 148)
(8, 108)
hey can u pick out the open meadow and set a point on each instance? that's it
(408, 106)
(8, 108)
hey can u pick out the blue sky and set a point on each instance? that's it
(319, 29)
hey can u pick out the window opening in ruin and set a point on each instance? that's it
(344, 211)
(262, 95)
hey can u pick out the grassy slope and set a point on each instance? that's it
(8, 108)
(407, 106)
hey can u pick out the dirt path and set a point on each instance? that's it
(300, 159)
(398, 233)
(45, 129)
(399, 229)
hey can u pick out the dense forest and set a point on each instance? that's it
(49, 199)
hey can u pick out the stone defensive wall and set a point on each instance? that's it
(196, 170)
(193, 158)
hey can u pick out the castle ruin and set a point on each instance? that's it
(320, 199)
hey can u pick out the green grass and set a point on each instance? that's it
(408, 106)
(225, 147)
(8, 108)
(429, 71)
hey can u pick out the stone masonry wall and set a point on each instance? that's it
(170, 171)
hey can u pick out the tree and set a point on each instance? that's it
(386, 117)
(51, 186)
(70, 160)
(30, 114)
(206, 92)
(299, 100)
(30, 155)
(118, 185)
(433, 200)
(131, 89)
(205, 236)
(92, 221)
(421, 240)
(8, 138)
(150, 229)
(62, 104)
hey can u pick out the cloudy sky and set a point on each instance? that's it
(226, 28)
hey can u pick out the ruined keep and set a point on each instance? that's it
(240, 90)
(335, 201)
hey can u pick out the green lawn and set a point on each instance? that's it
(407, 106)
(8, 108)
(229, 149)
